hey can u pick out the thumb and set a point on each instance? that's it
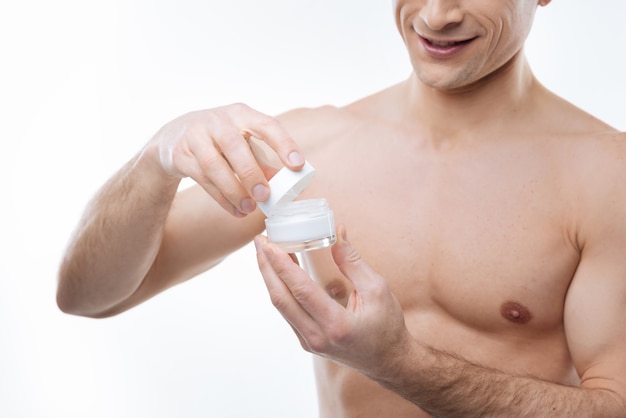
(352, 265)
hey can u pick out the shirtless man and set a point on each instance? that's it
(489, 217)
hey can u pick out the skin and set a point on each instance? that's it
(484, 274)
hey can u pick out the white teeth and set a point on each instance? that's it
(443, 44)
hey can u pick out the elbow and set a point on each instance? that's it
(66, 303)
(64, 297)
(67, 297)
(70, 301)
(73, 306)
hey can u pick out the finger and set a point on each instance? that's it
(242, 161)
(264, 155)
(193, 170)
(352, 265)
(304, 290)
(222, 201)
(271, 131)
(307, 293)
(218, 172)
(281, 295)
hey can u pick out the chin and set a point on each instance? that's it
(443, 82)
(446, 78)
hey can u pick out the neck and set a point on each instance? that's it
(453, 115)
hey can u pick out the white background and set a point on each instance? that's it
(84, 84)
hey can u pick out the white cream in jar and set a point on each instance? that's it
(296, 226)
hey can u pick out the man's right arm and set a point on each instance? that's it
(139, 236)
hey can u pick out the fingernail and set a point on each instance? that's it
(295, 158)
(267, 251)
(259, 192)
(248, 205)
(344, 235)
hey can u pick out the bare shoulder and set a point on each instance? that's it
(587, 147)
(594, 165)
(312, 127)
(598, 156)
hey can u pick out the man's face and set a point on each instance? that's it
(455, 43)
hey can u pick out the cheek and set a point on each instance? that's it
(517, 23)
(505, 40)
(497, 33)
(401, 19)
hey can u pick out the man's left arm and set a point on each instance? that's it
(370, 336)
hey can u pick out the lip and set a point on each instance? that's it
(444, 48)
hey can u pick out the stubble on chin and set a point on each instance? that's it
(444, 80)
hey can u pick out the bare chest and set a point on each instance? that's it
(484, 242)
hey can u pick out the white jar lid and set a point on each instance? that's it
(286, 185)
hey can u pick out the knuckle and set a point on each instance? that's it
(278, 300)
(239, 107)
(214, 124)
(230, 142)
(353, 257)
(201, 178)
(209, 159)
(213, 116)
(337, 333)
(191, 124)
(248, 174)
(318, 343)
(266, 121)
(301, 293)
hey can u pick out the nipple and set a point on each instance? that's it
(515, 312)
(337, 290)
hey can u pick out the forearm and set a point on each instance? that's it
(117, 239)
(452, 387)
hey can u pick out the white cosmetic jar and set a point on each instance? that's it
(296, 226)
(303, 225)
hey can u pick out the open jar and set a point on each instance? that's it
(296, 226)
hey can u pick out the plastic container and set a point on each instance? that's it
(302, 225)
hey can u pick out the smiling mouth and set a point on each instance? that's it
(446, 44)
